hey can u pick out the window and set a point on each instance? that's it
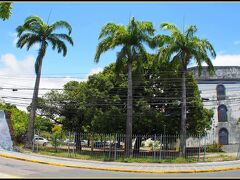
(220, 92)
(222, 113)
(223, 136)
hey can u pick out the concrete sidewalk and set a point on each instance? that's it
(124, 167)
(6, 176)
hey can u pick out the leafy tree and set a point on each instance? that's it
(183, 47)
(5, 10)
(43, 124)
(35, 30)
(56, 135)
(19, 120)
(131, 38)
(156, 102)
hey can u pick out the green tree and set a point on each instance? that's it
(102, 100)
(5, 10)
(131, 38)
(183, 47)
(56, 135)
(35, 30)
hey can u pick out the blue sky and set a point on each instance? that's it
(218, 22)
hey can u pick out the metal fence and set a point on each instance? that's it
(112, 146)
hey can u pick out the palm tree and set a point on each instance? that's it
(131, 39)
(36, 31)
(182, 47)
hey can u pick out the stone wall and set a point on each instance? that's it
(9, 122)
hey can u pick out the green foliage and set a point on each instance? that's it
(99, 105)
(19, 120)
(182, 47)
(215, 147)
(43, 124)
(5, 10)
(56, 136)
(238, 121)
(34, 30)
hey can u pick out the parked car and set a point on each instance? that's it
(99, 144)
(40, 141)
(83, 142)
(68, 142)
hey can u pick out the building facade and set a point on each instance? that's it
(221, 92)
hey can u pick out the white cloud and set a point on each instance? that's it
(224, 60)
(17, 74)
(12, 66)
(96, 70)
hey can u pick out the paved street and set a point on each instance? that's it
(18, 168)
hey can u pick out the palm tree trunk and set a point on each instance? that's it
(128, 145)
(30, 130)
(183, 114)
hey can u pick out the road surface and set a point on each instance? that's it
(17, 168)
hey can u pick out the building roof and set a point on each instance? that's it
(222, 73)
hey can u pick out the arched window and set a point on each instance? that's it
(223, 136)
(220, 92)
(222, 113)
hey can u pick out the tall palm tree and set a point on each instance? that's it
(36, 31)
(182, 47)
(131, 38)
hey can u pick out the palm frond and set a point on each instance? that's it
(61, 24)
(33, 19)
(64, 37)
(24, 39)
(103, 46)
(170, 27)
(33, 40)
(190, 31)
(60, 45)
(110, 29)
(121, 56)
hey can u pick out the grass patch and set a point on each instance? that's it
(88, 155)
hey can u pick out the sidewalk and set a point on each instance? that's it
(7, 176)
(124, 167)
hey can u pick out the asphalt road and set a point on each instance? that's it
(22, 169)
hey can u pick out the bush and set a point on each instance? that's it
(214, 147)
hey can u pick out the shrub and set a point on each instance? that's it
(215, 147)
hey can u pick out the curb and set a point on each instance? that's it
(123, 170)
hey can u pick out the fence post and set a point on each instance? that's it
(198, 147)
(238, 153)
(37, 143)
(110, 148)
(160, 153)
(204, 158)
(69, 155)
(115, 150)
(33, 140)
(154, 152)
